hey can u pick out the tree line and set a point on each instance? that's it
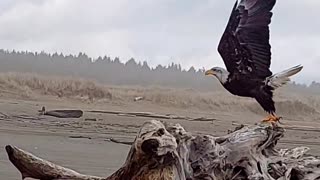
(112, 71)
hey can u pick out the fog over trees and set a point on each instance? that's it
(113, 72)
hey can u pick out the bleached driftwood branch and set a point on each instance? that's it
(169, 152)
(31, 166)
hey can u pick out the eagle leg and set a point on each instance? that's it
(272, 118)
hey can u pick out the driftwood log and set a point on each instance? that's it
(64, 113)
(168, 152)
(153, 115)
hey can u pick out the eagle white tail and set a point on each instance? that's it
(279, 79)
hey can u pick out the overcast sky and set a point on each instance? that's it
(158, 31)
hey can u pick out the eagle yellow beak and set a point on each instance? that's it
(210, 72)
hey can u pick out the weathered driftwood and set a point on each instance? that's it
(169, 152)
(65, 113)
(153, 115)
(247, 153)
(31, 166)
(152, 156)
(119, 141)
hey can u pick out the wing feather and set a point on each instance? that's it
(244, 45)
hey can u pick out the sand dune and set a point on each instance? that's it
(288, 103)
(31, 84)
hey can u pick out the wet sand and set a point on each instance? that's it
(84, 155)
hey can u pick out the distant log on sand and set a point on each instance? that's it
(168, 152)
(62, 113)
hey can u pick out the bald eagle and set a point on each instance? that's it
(246, 52)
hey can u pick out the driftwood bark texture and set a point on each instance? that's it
(168, 152)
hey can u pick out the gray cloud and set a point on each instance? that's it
(159, 31)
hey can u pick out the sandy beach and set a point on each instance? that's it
(83, 144)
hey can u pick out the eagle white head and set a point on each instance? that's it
(220, 73)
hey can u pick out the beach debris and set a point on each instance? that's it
(65, 113)
(79, 137)
(120, 141)
(139, 98)
(154, 115)
(90, 119)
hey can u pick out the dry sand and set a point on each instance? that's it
(54, 139)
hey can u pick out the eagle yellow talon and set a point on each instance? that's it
(272, 119)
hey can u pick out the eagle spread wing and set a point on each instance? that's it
(244, 46)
